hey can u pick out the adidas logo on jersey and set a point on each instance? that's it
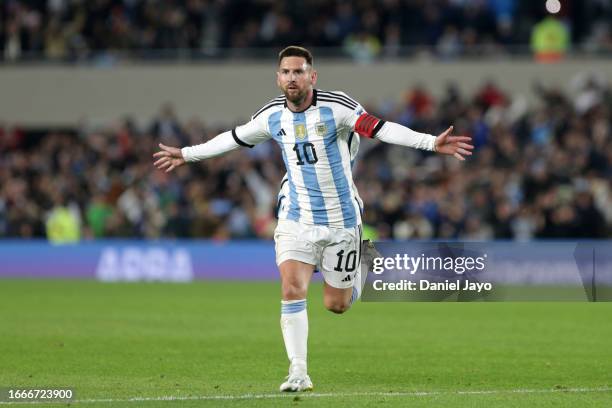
(281, 133)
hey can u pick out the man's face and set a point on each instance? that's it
(295, 78)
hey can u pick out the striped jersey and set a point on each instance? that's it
(318, 146)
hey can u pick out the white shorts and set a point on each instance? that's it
(336, 252)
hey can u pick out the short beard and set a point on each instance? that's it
(298, 99)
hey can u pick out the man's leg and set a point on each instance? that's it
(341, 267)
(337, 300)
(340, 300)
(295, 277)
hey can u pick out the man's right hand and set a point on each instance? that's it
(168, 158)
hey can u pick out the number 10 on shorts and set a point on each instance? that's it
(350, 262)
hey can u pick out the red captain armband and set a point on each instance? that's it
(368, 125)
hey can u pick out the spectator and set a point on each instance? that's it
(101, 29)
(549, 40)
(63, 225)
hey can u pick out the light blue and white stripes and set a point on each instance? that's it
(309, 175)
(320, 188)
(274, 124)
(340, 180)
(292, 306)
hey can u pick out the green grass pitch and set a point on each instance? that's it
(219, 344)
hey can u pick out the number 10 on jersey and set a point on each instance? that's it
(305, 151)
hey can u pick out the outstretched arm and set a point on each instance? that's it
(169, 158)
(370, 126)
(248, 135)
(367, 125)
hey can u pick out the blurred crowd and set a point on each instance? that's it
(85, 30)
(540, 170)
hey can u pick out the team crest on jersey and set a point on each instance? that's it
(300, 131)
(321, 129)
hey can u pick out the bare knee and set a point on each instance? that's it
(295, 277)
(294, 290)
(336, 305)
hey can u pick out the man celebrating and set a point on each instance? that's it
(319, 218)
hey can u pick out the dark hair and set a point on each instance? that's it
(295, 51)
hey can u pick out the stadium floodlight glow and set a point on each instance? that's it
(553, 6)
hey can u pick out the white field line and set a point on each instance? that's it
(315, 395)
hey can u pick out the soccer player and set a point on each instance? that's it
(319, 217)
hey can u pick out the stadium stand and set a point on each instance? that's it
(538, 172)
(94, 30)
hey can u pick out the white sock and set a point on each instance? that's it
(294, 325)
